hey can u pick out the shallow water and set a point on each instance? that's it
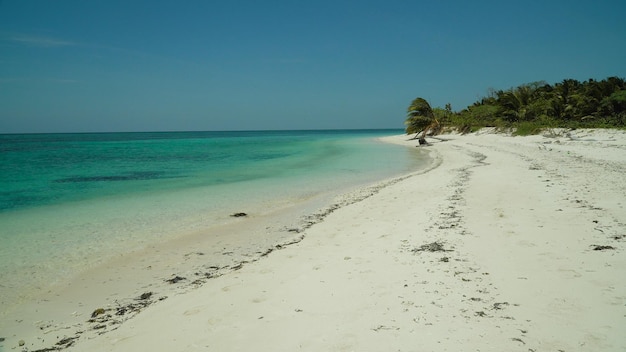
(70, 202)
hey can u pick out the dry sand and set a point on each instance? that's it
(504, 244)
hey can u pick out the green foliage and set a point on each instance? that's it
(419, 116)
(420, 107)
(531, 107)
(527, 128)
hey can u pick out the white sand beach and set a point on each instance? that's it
(503, 244)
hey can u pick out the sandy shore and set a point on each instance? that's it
(504, 244)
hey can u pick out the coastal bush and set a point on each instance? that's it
(530, 108)
(527, 128)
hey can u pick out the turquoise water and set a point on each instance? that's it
(70, 201)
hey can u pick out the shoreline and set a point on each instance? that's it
(48, 244)
(506, 243)
(166, 269)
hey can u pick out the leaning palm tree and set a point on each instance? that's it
(420, 119)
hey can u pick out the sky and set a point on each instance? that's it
(207, 65)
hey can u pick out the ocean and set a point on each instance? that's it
(73, 201)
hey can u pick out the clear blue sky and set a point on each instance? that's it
(138, 65)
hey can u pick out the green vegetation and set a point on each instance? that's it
(421, 118)
(529, 108)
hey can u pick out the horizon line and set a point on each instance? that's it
(204, 131)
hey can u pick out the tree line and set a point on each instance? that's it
(529, 108)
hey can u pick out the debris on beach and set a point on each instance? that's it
(66, 342)
(145, 296)
(383, 327)
(601, 248)
(431, 247)
(238, 215)
(239, 266)
(518, 340)
(175, 279)
(499, 305)
(97, 312)
(267, 252)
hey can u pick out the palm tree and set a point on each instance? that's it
(420, 119)
(516, 102)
